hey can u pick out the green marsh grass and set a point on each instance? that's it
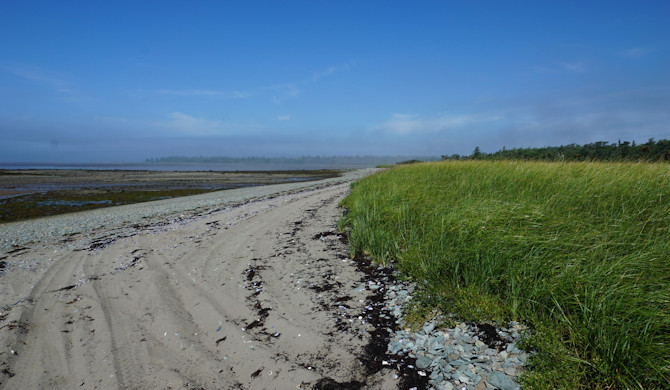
(578, 251)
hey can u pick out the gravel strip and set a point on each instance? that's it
(465, 357)
(118, 219)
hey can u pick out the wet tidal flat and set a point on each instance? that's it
(26, 194)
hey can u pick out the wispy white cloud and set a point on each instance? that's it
(37, 75)
(636, 52)
(241, 94)
(178, 122)
(543, 69)
(279, 92)
(284, 92)
(561, 67)
(577, 67)
(56, 84)
(188, 125)
(189, 92)
(283, 117)
(205, 93)
(113, 120)
(414, 124)
(331, 70)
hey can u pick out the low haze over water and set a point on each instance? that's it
(183, 167)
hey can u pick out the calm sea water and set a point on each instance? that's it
(185, 166)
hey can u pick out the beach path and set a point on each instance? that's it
(262, 295)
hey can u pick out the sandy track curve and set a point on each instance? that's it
(254, 297)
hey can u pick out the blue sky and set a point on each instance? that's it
(124, 81)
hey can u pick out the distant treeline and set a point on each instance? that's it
(303, 160)
(597, 151)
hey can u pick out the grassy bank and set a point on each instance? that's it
(579, 251)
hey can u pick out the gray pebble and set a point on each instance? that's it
(423, 362)
(502, 381)
(454, 356)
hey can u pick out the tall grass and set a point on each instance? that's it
(580, 251)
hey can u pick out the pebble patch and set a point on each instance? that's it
(468, 356)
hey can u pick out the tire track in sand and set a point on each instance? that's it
(258, 296)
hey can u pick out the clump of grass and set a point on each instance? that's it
(577, 250)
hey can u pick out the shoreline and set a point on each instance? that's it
(255, 294)
(52, 229)
(27, 194)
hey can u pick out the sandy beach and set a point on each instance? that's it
(252, 290)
